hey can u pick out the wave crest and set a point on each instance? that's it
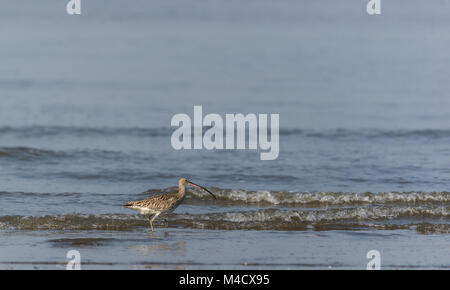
(323, 198)
(260, 219)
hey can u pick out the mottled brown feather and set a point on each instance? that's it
(159, 202)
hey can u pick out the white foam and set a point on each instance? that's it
(332, 198)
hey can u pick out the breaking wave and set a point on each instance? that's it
(322, 198)
(246, 210)
(349, 218)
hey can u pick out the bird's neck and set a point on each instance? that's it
(181, 191)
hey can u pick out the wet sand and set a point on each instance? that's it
(210, 249)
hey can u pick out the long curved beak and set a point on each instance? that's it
(199, 186)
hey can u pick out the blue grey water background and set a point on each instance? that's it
(85, 109)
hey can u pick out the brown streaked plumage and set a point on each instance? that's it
(164, 203)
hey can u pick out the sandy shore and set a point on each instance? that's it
(207, 249)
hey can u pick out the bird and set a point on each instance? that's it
(152, 207)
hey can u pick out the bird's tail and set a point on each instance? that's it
(127, 204)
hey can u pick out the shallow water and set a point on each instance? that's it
(234, 210)
(199, 249)
(85, 110)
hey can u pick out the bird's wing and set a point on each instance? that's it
(159, 201)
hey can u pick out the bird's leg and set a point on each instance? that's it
(150, 221)
(153, 218)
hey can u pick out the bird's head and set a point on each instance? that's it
(184, 181)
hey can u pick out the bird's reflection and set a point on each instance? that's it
(177, 248)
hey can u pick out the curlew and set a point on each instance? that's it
(164, 203)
